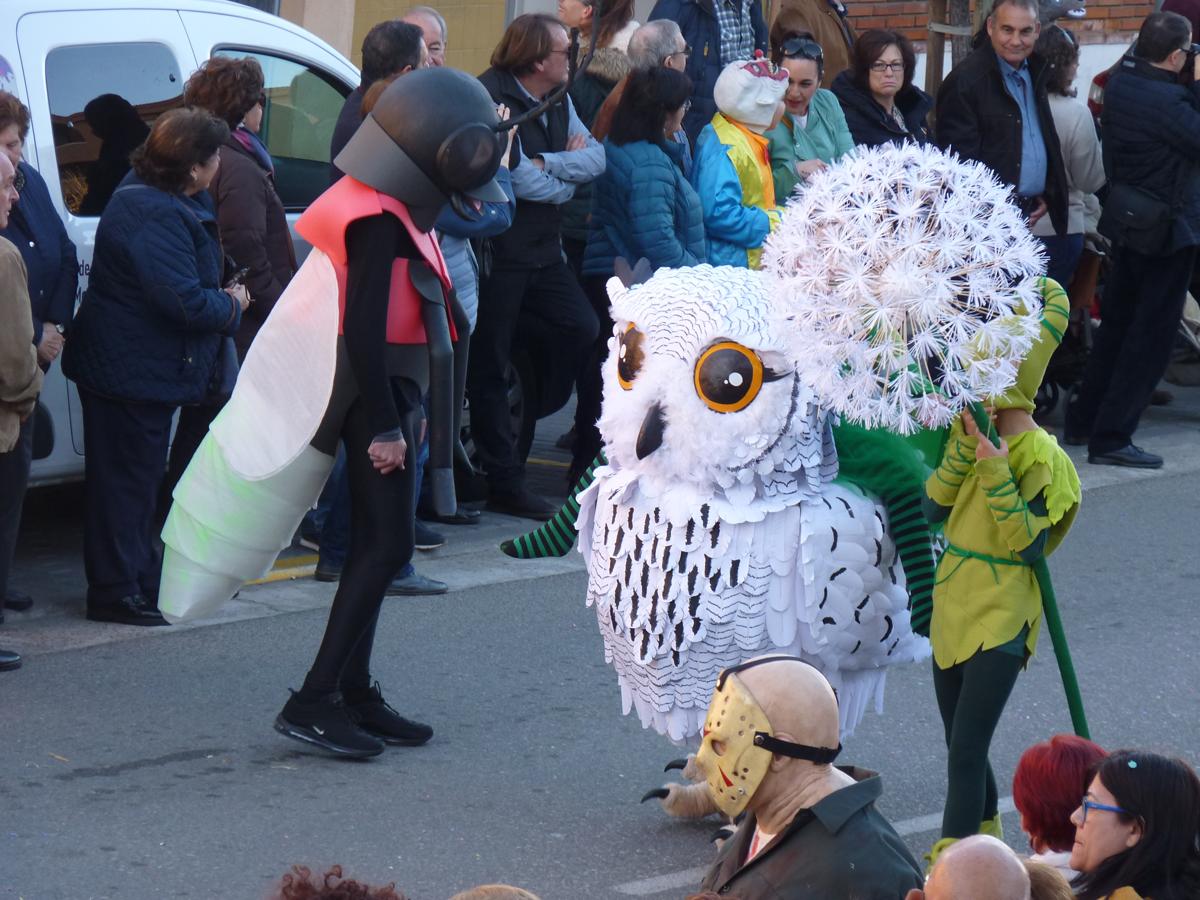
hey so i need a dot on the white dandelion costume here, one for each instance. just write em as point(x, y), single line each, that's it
point(912, 285)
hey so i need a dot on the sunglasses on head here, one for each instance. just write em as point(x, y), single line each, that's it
point(802, 48)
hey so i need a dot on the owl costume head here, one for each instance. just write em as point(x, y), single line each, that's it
point(699, 395)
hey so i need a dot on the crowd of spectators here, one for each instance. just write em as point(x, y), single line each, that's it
point(696, 128)
point(678, 142)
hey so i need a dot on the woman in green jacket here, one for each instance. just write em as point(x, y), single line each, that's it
point(813, 131)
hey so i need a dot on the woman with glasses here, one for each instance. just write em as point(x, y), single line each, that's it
point(877, 94)
point(813, 131)
point(1136, 830)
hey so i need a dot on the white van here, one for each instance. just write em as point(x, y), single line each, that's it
point(60, 55)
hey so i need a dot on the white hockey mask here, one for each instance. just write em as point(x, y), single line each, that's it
point(739, 743)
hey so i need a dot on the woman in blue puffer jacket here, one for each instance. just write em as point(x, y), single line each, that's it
point(643, 208)
point(146, 341)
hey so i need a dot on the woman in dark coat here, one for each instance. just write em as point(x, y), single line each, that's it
point(878, 97)
point(146, 340)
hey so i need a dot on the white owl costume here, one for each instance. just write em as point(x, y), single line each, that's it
point(714, 536)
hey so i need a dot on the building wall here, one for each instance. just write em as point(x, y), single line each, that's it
point(473, 27)
point(1107, 21)
point(476, 25)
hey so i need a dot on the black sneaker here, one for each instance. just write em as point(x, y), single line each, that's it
point(328, 724)
point(375, 717)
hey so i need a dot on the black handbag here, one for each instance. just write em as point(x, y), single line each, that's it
point(1138, 220)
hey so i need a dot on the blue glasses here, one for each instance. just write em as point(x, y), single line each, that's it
point(1089, 804)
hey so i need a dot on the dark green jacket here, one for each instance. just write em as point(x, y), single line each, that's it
point(841, 847)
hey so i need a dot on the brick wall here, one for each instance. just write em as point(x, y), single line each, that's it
point(1107, 21)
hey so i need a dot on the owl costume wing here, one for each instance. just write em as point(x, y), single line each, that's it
point(677, 601)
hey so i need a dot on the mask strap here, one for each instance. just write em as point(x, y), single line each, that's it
point(821, 755)
point(750, 664)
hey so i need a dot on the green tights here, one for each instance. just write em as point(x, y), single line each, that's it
point(971, 698)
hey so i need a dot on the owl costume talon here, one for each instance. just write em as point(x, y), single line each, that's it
point(715, 533)
point(684, 801)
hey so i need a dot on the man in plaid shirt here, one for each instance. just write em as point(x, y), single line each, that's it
point(717, 32)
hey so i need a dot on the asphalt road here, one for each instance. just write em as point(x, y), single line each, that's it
point(142, 763)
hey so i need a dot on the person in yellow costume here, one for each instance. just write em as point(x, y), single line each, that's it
point(731, 170)
point(1003, 508)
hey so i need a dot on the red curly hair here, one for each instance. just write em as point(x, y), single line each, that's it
point(1051, 778)
point(299, 884)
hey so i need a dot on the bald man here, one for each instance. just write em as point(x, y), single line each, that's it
point(811, 829)
point(976, 868)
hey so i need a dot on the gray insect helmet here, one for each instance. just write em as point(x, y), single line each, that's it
point(429, 141)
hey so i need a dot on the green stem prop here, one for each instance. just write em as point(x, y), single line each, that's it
point(1054, 624)
point(984, 422)
point(1058, 637)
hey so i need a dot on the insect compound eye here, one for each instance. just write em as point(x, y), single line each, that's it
point(728, 377)
point(629, 356)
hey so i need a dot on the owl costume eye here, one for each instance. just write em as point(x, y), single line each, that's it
point(629, 356)
point(728, 377)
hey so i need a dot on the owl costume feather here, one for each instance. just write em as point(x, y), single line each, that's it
point(715, 532)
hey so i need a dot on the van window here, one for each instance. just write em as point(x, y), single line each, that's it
point(302, 108)
point(103, 100)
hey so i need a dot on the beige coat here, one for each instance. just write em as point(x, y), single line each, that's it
point(1082, 158)
point(20, 377)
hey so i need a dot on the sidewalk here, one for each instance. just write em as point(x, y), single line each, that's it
point(49, 559)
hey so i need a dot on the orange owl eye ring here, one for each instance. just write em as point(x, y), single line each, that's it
point(728, 377)
point(629, 356)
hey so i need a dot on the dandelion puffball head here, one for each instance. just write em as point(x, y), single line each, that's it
point(907, 282)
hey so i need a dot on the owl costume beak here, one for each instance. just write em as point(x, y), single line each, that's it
point(651, 434)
